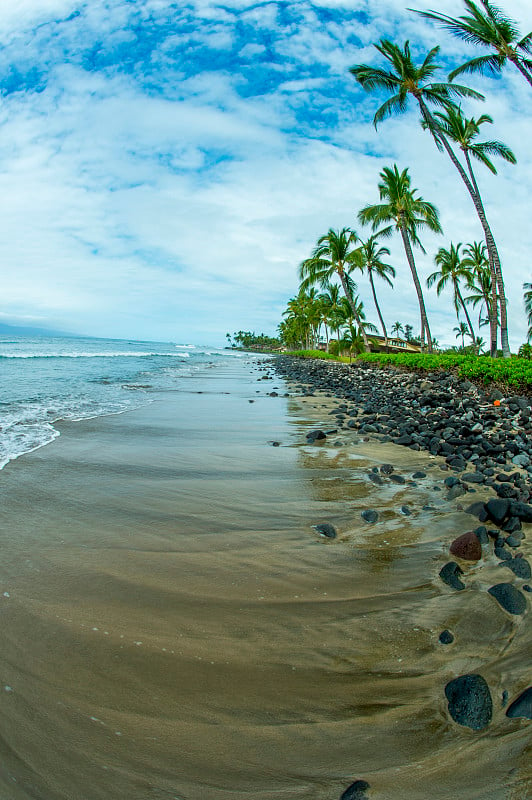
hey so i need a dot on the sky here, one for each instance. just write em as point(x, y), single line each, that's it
point(166, 166)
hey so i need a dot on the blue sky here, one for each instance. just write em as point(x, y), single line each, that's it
point(165, 166)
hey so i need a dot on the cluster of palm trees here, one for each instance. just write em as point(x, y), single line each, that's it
point(478, 267)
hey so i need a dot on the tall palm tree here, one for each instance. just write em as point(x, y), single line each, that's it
point(334, 255)
point(452, 271)
point(464, 133)
point(487, 26)
point(527, 288)
point(406, 79)
point(409, 213)
point(397, 328)
point(330, 303)
point(371, 256)
point(483, 289)
point(461, 330)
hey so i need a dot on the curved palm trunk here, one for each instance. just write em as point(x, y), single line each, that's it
point(347, 293)
point(468, 319)
point(471, 187)
point(383, 326)
point(412, 265)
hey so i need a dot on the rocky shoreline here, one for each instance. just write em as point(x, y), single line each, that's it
point(484, 443)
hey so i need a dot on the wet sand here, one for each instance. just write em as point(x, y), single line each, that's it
point(174, 628)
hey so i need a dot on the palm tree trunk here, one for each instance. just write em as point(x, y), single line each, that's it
point(522, 69)
point(354, 310)
point(412, 265)
point(469, 325)
point(479, 208)
point(383, 326)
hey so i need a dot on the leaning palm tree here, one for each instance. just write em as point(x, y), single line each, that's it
point(409, 213)
point(527, 288)
point(371, 256)
point(461, 330)
point(452, 271)
point(335, 254)
point(464, 133)
point(487, 26)
point(407, 79)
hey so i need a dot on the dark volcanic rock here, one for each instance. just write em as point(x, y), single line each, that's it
point(519, 567)
point(450, 574)
point(522, 706)
point(386, 469)
point(369, 515)
point(446, 637)
point(498, 510)
point(482, 534)
point(521, 510)
point(469, 701)
point(314, 436)
point(397, 479)
point(473, 477)
point(357, 791)
point(326, 529)
point(477, 510)
point(509, 597)
point(467, 546)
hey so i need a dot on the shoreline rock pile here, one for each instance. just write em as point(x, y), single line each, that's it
point(436, 412)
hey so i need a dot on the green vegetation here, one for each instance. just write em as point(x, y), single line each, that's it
point(514, 372)
point(246, 340)
point(474, 273)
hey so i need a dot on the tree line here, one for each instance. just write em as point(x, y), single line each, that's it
point(474, 271)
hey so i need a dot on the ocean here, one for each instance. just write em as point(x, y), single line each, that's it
point(44, 380)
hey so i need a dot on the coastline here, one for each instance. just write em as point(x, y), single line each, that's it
point(176, 627)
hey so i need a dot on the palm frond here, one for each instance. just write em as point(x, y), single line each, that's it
point(496, 149)
point(397, 103)
point(371, 78)
point(525, 43)
point(483, 65)
point(450, 90)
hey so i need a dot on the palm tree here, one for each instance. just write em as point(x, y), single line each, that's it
point(483, 289)
point(409, 213)
point(371, 256)
point(408, 79)
point(397, 328)
point(464, 132)
point(302, 318)
point(334, 255)
point(461, 330)
point(330, 303)
point(452, 271)
point(487, 26)
point(527, 287)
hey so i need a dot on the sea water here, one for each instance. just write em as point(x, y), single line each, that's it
point(44, 380)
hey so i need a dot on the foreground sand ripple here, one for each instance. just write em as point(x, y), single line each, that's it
point(174, 628)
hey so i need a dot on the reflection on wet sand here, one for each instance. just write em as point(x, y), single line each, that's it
point(175, 628)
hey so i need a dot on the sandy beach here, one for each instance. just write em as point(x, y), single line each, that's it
point(174, 627)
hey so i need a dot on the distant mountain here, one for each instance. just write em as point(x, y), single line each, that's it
point(24, 330)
